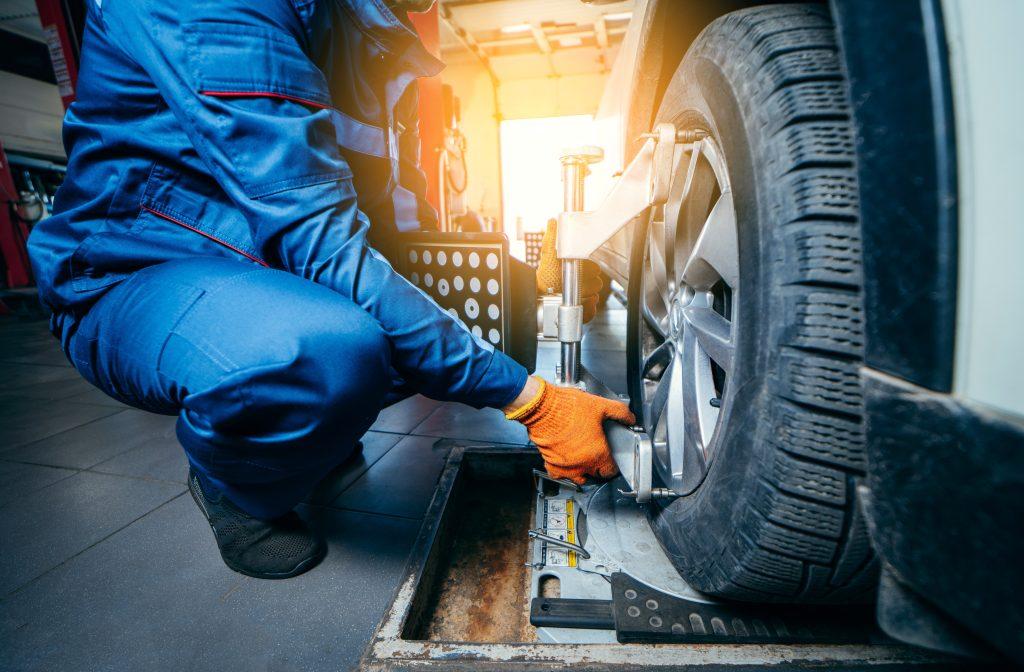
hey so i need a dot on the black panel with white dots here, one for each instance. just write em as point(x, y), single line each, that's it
point(464, 273)
point(534, 240)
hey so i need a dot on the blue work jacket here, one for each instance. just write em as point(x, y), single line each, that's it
point(280, 132)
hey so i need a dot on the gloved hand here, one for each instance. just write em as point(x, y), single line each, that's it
point(549, 274)
point(565, 423)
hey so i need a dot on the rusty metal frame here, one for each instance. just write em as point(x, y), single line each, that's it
point(391, 650)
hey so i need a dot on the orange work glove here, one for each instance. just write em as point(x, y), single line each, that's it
point(565, 423)
point(549, 274)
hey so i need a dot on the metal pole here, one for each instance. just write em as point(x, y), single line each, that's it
point(574, 171)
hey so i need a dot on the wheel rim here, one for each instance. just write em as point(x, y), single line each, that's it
point(689, 297)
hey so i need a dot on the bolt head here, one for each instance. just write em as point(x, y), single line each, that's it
point(675, 318)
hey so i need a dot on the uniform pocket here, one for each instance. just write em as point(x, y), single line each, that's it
point(272, 107)
point(192, 205)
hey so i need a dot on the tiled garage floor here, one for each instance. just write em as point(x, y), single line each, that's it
point(106, 564)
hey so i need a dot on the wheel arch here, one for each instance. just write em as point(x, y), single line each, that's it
point(666, 31)
point(669, 28)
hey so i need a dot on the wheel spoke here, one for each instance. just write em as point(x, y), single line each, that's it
point(677, 198)
point(712, 331)
point(659, 400)
point(696, 381)
point(676, 430)
point(656, 255)
point(691, 169)
point(657, 324)
point(715, 254)
point(658, 361)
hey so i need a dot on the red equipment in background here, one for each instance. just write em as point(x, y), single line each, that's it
point(13, 231)
point(430, 106)
point(62, 24)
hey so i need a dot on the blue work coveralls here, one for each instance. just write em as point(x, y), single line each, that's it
point(212, 249)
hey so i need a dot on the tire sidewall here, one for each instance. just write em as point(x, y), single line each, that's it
point(702, 94)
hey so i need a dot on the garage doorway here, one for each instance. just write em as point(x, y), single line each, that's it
point(531, 174)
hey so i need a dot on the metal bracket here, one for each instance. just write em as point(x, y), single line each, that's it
point(547, 316)
point(645, 182)
point(570, 324)
point(633, 452)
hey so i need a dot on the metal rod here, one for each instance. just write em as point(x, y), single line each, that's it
point(539, 476)
point(555, 541)
point(574, 172)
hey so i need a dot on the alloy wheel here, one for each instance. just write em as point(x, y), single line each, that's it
point(689, 297)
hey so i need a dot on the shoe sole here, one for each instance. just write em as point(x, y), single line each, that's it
point(301, 568)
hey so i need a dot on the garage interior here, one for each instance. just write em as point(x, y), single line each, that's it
point(89, 483)
point(449, 547)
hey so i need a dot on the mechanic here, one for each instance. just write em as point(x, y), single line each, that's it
point(211, 255)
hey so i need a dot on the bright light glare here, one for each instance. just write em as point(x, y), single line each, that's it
point(531, 172)
point(516, 28)
point(618, 16)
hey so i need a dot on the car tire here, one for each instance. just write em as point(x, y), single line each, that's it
point(775, 516)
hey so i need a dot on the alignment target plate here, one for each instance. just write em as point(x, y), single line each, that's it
point(465, 277)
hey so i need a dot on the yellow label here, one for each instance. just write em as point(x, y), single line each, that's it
point(570, 530)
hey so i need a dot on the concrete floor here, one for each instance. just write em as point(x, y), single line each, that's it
point(106, 564)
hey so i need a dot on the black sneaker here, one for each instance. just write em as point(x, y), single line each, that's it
point(266, 549)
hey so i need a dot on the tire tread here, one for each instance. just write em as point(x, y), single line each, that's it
point(801, 536)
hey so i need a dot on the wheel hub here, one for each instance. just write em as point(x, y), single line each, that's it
point(676, 319)
point(689, 294)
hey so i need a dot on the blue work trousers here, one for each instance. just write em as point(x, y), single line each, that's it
point(273, 378)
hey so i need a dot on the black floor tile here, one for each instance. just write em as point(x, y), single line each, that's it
point(458, 421)
point(160, 458)
point(156, 596)
point(93, 395)
point(26, 420)
point(25, 339)
point(97, 441)
point(50, 390)
point(406, 414)
point(18, 480)
point(402, 482)
point(17, 376)
point(375, 446)
point(12, 326)
point(76, 389)
point(45, 352)
point(45, 528)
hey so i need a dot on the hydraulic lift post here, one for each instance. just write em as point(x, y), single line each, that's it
point(575, 164)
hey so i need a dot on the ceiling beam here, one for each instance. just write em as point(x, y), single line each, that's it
point(468, 3)
point(540, 38)
point(511, 40)
point(467, 41)
point(601, 32)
